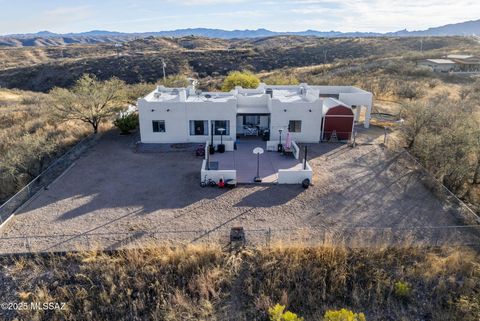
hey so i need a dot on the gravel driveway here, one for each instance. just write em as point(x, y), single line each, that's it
point(112, 189)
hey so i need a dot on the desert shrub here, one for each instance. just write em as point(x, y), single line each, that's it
point(402, 289)
point(175, 81)
point(444, 137)
point(468, 307)
point(29, 139)
point(409, 90)
point(278, 313)
point(126, 122)
point(245, 79)
point(432, 83)
point(282, 78)
point(343, 315)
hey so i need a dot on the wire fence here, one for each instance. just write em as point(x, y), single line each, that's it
point(461, 235)
point(52, 172)
point(432, 183)
point(354, 237)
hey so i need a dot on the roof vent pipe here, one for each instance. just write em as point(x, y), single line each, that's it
point(269, 91)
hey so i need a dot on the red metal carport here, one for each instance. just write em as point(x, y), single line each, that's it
point(338, 119)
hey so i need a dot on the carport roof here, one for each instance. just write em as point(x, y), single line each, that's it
point(332, 102)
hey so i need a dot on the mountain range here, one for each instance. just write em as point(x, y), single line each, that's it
point(47, 38)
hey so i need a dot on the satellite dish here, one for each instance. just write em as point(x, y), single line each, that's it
point(258, 150)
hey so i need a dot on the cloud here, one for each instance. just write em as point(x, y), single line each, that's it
point(59, 17)
point(385, 15)
point(279, 15)
point(75, 13)
point(206, 2)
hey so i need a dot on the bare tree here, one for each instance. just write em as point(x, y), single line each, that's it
point(90, 100)
point(409, 90)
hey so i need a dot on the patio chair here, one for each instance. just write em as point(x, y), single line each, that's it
point(250, 131)
point(287, 151)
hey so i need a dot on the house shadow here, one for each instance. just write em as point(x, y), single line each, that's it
point(111, 175)
point(270, 195)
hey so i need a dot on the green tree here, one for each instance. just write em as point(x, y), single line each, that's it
point(240, 78)
point(126, 122)
point(278, 313)
point(343, 315)
point(89, 100)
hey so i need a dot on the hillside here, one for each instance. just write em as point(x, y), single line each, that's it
point(46, 38)
point(40, 69)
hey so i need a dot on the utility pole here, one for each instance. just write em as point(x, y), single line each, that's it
point(163, 67)
point(325, 56)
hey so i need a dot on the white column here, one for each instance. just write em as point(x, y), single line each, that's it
point(367, 116)
point(357, 112)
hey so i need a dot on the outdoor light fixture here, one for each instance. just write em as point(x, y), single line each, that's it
point(258, 151)
point(211, 148)
point(168, 110)
point(153, 110)
point(221, 147)
point(280, 146)
point(285, 110)
point(310, 110)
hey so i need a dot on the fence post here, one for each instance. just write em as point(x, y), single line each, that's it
point(269, 236)
point(27, 244)
point(88, 241)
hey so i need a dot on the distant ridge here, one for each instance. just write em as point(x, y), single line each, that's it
point(47, 38)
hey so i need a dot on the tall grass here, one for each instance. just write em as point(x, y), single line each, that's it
point(207, 283)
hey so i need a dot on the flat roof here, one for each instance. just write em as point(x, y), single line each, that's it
point(441, 61)
point(460, 56)
point(287, 93)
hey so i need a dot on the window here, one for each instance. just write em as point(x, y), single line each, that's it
point(199, 127)
point(253, 120)
point(295, 126)
point(217, 124)
point(158, 126)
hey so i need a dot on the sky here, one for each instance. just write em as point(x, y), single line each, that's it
point(63, 16)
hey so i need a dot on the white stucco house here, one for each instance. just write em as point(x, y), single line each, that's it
point(310, 113)
point(438, 65)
